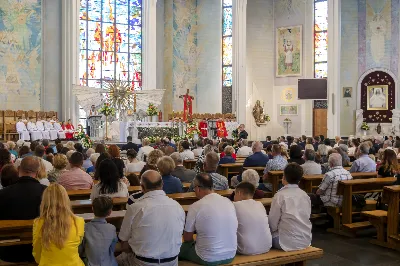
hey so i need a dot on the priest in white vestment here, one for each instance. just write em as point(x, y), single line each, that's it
point(58, 128)
point(21, 129)
point(40, 127)
point(35, 133)
point(49, 127)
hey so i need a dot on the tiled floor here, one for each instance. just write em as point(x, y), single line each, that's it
point(344, 251)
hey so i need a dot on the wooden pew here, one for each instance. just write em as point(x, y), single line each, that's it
point(230, 168)
point(273, 257)
point(18, 232)
point(380, 218)
point(346, 189)
point(275, 177)
point(259, 169)
point(189, 164)
point(190, 197)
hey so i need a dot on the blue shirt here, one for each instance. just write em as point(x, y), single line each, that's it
point(172, 184)
point(226, 159)
point(99, 242)
point(277, 164)
point(256, 159)
point(363, 164)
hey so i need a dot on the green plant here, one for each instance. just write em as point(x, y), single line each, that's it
point(107, 110)
point(365, 126)
point(152, 110)
point(83, 137)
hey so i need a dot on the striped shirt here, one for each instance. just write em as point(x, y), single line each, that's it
point(329, 186)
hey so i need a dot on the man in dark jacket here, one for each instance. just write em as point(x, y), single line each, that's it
point(185, 175)
point(21, 201)
point(130, 145)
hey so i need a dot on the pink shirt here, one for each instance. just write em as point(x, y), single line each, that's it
point(75, 179)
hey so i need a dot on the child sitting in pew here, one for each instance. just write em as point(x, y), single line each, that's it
point(289, 217)
point(100, 239)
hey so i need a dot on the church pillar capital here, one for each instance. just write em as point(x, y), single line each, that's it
point(239, 95)
point(149, 60)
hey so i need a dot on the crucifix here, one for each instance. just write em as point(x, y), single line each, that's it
point(187, 105)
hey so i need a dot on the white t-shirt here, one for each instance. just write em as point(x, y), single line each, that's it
point(122, 191)
point(244, 151)
point(197, 152)
point(214, 219)
point(187, 155)
point(47, 165)
point(253, 234)
point(134, 167)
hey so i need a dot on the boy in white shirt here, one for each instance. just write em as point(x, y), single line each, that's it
point(253, 235)
point(289, 217)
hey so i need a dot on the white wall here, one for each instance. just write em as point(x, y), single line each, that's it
point(209, 43)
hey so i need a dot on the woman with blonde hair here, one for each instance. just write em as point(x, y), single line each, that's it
point(151, 162)
point(42, 173)
point(70, 145)
point(60, 164)
point(57, 233)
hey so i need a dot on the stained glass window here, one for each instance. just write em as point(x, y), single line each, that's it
point(110, 42)
point(226, 55)
point(321, 38)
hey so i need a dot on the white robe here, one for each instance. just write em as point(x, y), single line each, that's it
point(35, 134)
point(49, 127)
point(40, 127)
point(60, 131)
point(23, 132)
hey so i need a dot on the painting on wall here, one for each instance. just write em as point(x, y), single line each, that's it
point(288, 109)
point(347, 92)
point(289, 51)
point(20, 53)
point(377, 98)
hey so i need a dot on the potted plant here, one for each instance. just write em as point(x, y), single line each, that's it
point(152, 112)
point(364, 128)
point(106, 110)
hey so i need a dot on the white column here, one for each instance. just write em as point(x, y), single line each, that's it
point(70, 55)
point(334, 91)
point(239, 60)
point(149, 51)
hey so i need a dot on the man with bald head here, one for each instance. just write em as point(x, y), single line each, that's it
point(257, 159)
point(21, 201)
point(151, 232)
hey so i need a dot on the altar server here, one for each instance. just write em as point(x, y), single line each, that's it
point(40, 127)
point(69, 133)
point(35, 134)
point(57, 126)
point(49, 127)
point(21, 129)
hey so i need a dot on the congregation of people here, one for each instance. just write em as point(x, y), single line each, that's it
point(36, 176)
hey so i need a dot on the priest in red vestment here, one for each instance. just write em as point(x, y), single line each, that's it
point(221, 129)
point(70, 129)
point(203, 128)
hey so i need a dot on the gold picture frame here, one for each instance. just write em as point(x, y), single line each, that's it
point(378, 97)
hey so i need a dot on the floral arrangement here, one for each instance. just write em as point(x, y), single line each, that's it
point(152, 110)
point(365, 126)
point(235, 133)
point(192, 129)
point(83, 137)
point(107, 110)
point(267, 118)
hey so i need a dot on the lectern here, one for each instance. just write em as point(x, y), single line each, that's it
point(94, 124)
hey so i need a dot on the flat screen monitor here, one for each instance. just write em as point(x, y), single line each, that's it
point(312, 89)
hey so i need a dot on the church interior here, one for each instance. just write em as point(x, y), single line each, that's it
point(272, 88)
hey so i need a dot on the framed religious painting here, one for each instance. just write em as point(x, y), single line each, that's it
point(347, 92)
point(377, 97)
point(288, 109)
point(289, 51)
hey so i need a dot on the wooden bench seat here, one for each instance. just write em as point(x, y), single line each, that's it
point(273, 257)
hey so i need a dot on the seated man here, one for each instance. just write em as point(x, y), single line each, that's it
point(289, 217)
point(244, 150)
point(57, 126)
point(76, 178)
point(253, 235)
point(40, 127)
point(187, 154)
point(257, 159)
point(210, 166)
point(326, 192)
point(35, 134)
point(213, 218)
point(130, 145)
point(364, 163)
point(185, 175)
point(21, 201)
point(278, 163)
point(310, 167)
point(22, 130)
point(151, 232)
point(49, 127)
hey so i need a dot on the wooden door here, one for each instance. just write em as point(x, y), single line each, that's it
point(320, 122)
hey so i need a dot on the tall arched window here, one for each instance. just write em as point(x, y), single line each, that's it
point(226, 55)
point(321, 38)
point(110, 42)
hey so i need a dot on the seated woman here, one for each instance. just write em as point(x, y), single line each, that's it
point(134, 164)
point(228, 155)
point(60, 163)
point(57, 233)
point(389, 166)
point(171, 184)
point(102, 157)
point(110, 184)
point(251, 176)
point(114, 152)
point(296, 155)
point(151, 161)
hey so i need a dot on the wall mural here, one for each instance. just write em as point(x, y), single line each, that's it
point(20, 54)
point(289, 51)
